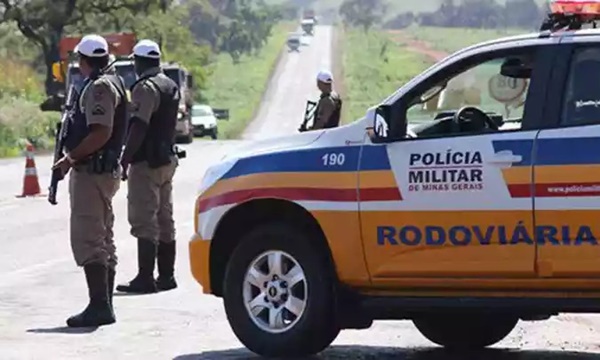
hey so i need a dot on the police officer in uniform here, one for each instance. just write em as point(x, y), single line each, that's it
point(329, 107)
point(150, 162)
point(95, 137)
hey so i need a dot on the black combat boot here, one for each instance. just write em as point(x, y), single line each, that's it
point(144, 282)
point(166, 266)
point(111, 288)
point(98, 312)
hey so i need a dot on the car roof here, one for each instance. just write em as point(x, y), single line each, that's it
point(201, 106)
point(589, 34)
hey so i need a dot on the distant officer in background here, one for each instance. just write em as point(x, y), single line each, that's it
point(150, 151)
point(94, 141)
point(329, 107)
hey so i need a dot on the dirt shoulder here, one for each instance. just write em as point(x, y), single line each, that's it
point(417, 46)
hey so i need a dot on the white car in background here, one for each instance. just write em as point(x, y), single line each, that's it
point(204, 121)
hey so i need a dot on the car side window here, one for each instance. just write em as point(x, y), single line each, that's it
point(483, 86)
point(581, 104)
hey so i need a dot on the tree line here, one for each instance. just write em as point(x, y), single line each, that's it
point(189, 31)
point(450, 13)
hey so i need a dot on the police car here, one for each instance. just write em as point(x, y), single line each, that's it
point(464, 221)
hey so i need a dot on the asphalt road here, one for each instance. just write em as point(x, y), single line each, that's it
point(40, 286)
point(293, 83)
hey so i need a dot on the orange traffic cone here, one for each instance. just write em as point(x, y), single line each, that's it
point(31, 185)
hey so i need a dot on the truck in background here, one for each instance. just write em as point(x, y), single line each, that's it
point(184, 79)
point(66, 70)
point(309, 14)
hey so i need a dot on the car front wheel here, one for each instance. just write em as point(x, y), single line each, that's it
point(279, 293)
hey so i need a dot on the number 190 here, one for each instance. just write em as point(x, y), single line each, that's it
point(333, 159)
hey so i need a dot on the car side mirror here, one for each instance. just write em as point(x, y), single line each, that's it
point(380, 118)
point(221, 114)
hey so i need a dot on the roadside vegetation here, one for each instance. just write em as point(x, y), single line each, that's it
point(450, 40)
point(386, 43)
point(217, 41)
point(374, 67)
point(240, 87)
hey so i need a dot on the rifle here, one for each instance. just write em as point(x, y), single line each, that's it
point(309, 113)
point(62, 129)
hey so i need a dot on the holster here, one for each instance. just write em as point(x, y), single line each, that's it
point(159, 156)
point(103, 162)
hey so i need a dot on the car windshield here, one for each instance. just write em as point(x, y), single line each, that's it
point(201, 111)
point(173, 74)
point(75, 78)
point(127, 72)
point(481, 86)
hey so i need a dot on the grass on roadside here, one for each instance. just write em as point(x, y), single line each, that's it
point(374, 68)
point(240, 87)
point(453, 39)
point(20, 116)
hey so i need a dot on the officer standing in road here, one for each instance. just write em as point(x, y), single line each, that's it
point(329, 107)
point(150, 151)
point(94, 141)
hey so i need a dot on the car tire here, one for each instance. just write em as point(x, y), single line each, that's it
point(214, 134)
point(466, 331)
point(315, 328)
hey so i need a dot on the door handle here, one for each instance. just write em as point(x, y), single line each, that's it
point(504, 158)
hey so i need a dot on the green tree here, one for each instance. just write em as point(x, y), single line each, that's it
point(170, 27)
point(45, 22)
point(363, 13)
point(249, 27)
point(177, 42)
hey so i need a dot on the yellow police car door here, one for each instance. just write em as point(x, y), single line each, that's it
point(567, 172)
point(451, 214)
point(461, 208)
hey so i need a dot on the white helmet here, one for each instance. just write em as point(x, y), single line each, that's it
point(325, 76)
point(147, 48)
point(92, 46)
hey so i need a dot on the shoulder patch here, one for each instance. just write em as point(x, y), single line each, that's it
point(98, 94)
point(99, 89)
point(98, 110)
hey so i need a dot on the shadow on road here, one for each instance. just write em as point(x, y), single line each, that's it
point(63, 330)
point(124, 294)
point(388, 353)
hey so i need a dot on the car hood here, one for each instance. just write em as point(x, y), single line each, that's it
point(203, 120)
point(348, 135)
point(293, 141)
